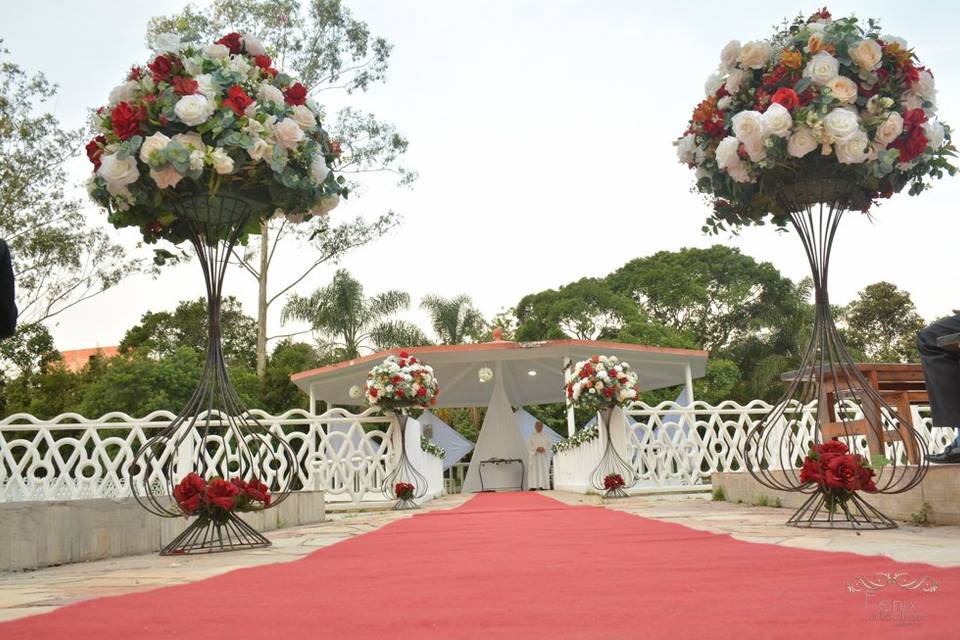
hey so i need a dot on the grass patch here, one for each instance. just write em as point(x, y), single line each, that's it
point(922, 518)
point(719, 495)
point(762, 501)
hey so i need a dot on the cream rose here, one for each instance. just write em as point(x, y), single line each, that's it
point(118, 174)
point(260, 150)
point(854, 150)
point(822, 68)
point(748, 126)
point(714, 82)
point(724, 103)
point(777, 120)
point(735, 80)
point(843, 89)
point(319, 169)
point(269, 93)
point(216, 51)
point(802, 142)
point(193, 66)
point(727, 152)
point(304, 117)
point(253, 45)
point(239, 65)
point(288, 133)
point(729, 54)
point(166, 177)
point(739, 172)
point(756, 150)
point(935, 134)
point(754, 54)
point(156, 142)
point(686, 149)
point(207, 86)
point(925, 86)
point(815, 42)
point(841, 125)
point(222, 162)
point(196, 160)
point(889, 129)
point(123, 92)
point(190, 141)
point(328, 203)
point(867, 54)
point(193, 110)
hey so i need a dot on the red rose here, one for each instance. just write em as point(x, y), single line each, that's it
point(608, 392)
point(807, 96)
point(786, 97)
point(831, 446)
point(396, 379)
point(811, 471)
point(402, 363)
point(237, 99)
point(422, 391)
point(222, 494)
point(913, 118)
point(255, 490)
point(273, 72)
point(95, 150)
point(373, 392)
point(185, 86)
point(335, 149)
point(232, 41)
point(162, 68)
point(155, 227)
point(135, 73)
point(842, 472)
point(297, 94)
point(399, 393)
point(404, 354)
point(911, 74)
point(911, 145)
point(126, 120)
point(189, 493)
point(263, 61)
point(866, 480)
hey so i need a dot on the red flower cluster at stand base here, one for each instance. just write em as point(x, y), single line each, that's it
point(836, 470)
point(404, 490)
point(613, 481)
point(218, 498)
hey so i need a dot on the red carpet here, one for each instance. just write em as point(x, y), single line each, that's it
point(521, 565)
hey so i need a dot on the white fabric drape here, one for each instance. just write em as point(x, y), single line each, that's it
point(455, 446)
point(499, 438)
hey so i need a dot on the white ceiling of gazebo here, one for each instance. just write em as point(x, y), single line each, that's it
point(532, 371)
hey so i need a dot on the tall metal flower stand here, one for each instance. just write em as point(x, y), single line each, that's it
point(404, 472)
point(611, 462)
point(215, 434)
point(848, 407)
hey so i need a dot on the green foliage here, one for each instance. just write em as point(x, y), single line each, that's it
point(921, 518)
point(432, 447)
point(277, 393)
point(882, 322)
point(719, 495)
point(578, 438)
point(454, 320)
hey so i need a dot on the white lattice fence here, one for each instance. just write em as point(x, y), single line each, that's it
point(72, 457)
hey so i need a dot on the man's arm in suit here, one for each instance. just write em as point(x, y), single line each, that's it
point(8, 305)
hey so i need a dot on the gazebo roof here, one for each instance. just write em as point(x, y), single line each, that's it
point(532, 371)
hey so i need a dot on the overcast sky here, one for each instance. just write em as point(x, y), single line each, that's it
point(542, 134)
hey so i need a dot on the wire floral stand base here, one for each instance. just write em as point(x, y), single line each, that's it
point(819, 511)
point(402, 504)
point(206, 535)
point(611, 462)
point(616, 493)
point(404, 472)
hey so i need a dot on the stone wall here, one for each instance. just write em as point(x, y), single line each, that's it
point(940, 490)
point(43, 534)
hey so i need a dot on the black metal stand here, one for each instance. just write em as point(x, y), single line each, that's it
point(404, 471)
point(772, 450)
point(821, 511)
point(215, 434)
point(612, 462)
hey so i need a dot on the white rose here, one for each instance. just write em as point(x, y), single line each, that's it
point(123, 92)
point(216, 51)
point(755, 149)
point(193, 110)
point(822, 68)
point(156, 142)
point(190, 141)
point(193, 66)
point(687, 149)
point(911, 101)
point(724, 102)
point(841, 125)
point(802, 142)
point(269, 93)
point(889, 129)
point(925, 86)
point(854, 150)
point(168, 43)
point(196, 160)
point(288, 133)
point(166, 177)
point(777, 120)
point(735, 80)
point(118, 174)
point(748, 126)
point(207, 86)
point(319, 169)
point(729, 54)
point(253, 45)
point(867, 54)
point(304, 117)
point(935, 134)
point(739, 172)
point(239, 65)
point(843, 89)
point(221, 160)
point(727, 152)
point(714, 82)
point(816, 27)
point(754, 54)
point(260, 150)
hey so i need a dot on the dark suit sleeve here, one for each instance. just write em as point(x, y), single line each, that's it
point(8, 306)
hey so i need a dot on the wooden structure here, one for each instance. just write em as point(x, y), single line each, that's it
point(898, 385)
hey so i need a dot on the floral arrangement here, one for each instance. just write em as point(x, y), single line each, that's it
point(578, 438)
point(837, 472)
point(613, 481)
point(822, 97)
point(404, 491)
point(218, 498)
point(200, 119)
point(401, 382)
point(485, 374)
point(600, 383)
point(431, 447)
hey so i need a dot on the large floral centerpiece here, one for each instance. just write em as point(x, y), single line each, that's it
point(208, 119)
point(401, 382)
point(821, 97)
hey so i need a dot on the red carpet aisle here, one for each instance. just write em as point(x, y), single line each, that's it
point(521, 565)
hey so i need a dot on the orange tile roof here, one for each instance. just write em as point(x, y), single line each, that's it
point(76, 359)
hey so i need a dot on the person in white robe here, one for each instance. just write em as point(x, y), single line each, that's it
point(538, 460)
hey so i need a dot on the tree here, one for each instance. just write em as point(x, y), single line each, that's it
point(288, 357)
point(348, 322)
point(454, 320)
point(585, 310)
point(882, 322)
point(163, 333)
point(58, 259)
point(328, 49)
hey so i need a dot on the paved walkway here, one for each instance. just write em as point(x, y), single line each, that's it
point(24, 594)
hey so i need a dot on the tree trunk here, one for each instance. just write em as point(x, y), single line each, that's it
point(262, 300)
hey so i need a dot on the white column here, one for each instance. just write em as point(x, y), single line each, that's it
point(688, 382)
point(313, 402)
point(571, 421)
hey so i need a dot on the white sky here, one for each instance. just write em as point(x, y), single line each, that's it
point(542, 133)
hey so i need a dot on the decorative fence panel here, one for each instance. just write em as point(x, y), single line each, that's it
point(72, 457)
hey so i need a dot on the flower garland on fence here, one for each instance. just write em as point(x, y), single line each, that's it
point(837, 472)
point(577, 439)
point(822, 97)
point(600, 383)
point(218, 498)
point(198, 119)
point(401, 382)
point(432, 447)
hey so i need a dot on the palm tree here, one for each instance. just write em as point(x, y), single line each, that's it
point(453, 319)
point(346, 321)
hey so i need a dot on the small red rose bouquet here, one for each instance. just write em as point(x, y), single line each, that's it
point(404, 491)
point(613, 481)
point(837, 472)
point(218, 498)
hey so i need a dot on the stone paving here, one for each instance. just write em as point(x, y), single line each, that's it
point(24, 594)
